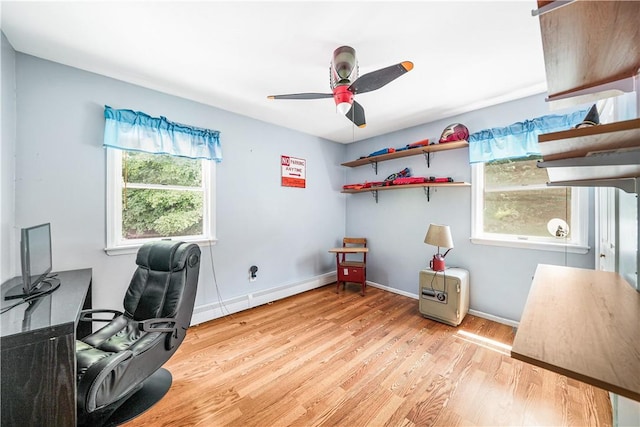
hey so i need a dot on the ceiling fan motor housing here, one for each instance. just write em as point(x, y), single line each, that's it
point(344, 67)
point(342, 95)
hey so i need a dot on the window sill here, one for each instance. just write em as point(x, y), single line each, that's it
point(133, 249)
point(530, 244)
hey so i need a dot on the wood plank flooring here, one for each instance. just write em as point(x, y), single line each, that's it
point(326, 359)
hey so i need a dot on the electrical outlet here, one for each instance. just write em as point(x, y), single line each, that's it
point(252, 273)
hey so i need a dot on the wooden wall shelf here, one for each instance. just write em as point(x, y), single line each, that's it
point(426, 186)
point(406, 153)
point(583, 324)
point(601, 152)
point(401, 187)
point(580, 142)
point(589, 44)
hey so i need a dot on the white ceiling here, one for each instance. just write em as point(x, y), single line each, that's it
point(231, 55)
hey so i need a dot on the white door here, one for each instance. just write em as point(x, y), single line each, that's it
point(606, 206)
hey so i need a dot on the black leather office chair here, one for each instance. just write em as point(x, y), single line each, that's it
point(119, 372)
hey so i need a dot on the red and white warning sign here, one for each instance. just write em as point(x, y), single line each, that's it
point(294, 172)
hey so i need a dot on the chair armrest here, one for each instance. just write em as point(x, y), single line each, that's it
point(99, 379)
point(152, 325)
point(87, 315)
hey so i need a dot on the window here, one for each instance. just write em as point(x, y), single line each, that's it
point(153, 196)
point(160, 180)
point(513, 206)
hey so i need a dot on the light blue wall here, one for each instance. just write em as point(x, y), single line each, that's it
point(284, 231)
point(7, 163)
point(61, 179)
point(499, 277)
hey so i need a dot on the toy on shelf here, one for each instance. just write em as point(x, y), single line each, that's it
point(454, 132)
point(409, 180)
point(406, 172)
point(401, 180)
point(434, 179)
point(380, 152)
point(418, 144)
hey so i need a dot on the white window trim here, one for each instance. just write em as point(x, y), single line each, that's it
point(579, 221)
point(118, 246)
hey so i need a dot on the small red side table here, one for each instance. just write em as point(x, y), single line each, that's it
point(350, 271)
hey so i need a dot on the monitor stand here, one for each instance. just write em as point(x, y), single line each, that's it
point(45, 287)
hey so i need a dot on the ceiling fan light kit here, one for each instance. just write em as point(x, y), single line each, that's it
point(345, 83)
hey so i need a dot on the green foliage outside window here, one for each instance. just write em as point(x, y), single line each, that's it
point(514, 173)
point(159, 212)
point(517, 202)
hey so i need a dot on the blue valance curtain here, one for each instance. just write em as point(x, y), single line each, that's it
point(137, 131)
point(519, 139)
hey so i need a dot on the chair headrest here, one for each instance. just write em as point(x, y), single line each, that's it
point(163, 255)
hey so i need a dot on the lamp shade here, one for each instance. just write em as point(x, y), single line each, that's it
point(439, 235)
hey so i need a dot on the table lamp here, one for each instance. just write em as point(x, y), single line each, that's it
point(440, 236)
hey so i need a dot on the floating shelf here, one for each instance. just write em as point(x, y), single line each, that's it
point(406, 153)
point(582, 324)
point(589, 140)
point(589, 45)
point(629, 185)
point(598, 153)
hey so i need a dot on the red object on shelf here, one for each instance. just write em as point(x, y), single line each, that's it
point(454, 132)
point(352, 186)
point(418, 144)
point(409, 180)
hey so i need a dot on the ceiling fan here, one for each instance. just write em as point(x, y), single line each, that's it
point(345, 83)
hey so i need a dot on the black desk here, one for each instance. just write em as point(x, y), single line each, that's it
point(38, 377)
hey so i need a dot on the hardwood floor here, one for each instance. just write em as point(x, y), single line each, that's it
point(326, 359)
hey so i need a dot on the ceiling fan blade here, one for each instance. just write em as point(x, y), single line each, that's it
point(302, 96)
point(356, 115)
point(376, 79)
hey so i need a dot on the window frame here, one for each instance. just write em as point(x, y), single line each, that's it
point(579, 221)
point(115, 243)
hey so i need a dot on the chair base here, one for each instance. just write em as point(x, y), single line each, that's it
point(153, 389)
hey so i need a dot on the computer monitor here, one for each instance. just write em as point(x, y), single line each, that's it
point(36, 262)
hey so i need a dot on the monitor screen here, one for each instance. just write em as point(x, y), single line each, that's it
point(36, 255)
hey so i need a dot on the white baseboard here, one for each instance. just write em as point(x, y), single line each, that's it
point(215, 310)
point(497, 319)
point(212, 311)
point(393, 290)
point(476, 313)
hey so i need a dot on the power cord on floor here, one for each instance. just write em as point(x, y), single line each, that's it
point(223, 307)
